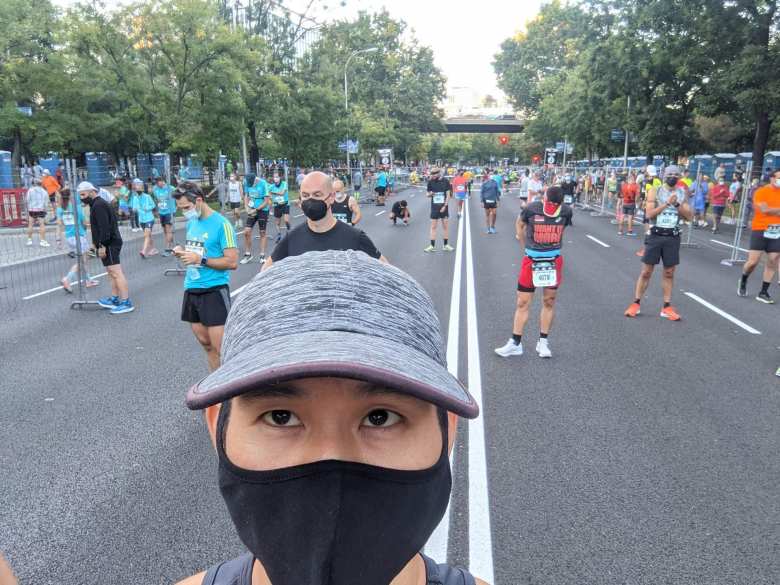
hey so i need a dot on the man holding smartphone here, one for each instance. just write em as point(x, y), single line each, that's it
point(209, 253)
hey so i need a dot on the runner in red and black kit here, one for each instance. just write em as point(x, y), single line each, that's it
point(540, 229)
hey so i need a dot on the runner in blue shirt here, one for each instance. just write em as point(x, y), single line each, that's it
point(68, 221)
point(257, 200)
point(145, 206)
point(210, 252)
point(166, 208)
point(281, 200)
point(381, 186)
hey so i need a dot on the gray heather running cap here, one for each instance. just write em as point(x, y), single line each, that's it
point(672, 170)
point(335, 314)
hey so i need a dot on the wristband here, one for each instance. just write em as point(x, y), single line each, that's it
point(203, 261)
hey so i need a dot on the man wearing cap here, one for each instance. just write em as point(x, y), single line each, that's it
point(333, 463)
point(665, 207)
point(108, 244)
point(209, 253)
point(439, 192)
point(321, 231)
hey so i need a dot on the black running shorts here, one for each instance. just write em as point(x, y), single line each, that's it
point(207, 306)
point(658, 248)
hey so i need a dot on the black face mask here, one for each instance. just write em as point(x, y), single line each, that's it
point(672, 181)
point(334, 522)
point(314, 209)
point(84, 200)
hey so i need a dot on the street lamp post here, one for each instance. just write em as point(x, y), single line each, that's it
point(346, 100)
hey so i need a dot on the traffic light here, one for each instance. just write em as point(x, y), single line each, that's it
point(503, 140)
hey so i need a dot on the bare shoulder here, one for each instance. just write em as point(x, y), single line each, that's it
point(198, 579)
point(480, 581)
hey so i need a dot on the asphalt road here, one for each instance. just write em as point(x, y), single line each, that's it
point(645, 451)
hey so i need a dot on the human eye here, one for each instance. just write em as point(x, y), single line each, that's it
point(281, 418)
point(381, 418)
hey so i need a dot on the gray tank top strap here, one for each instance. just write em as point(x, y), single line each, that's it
point(235, 572)
point(445, 575)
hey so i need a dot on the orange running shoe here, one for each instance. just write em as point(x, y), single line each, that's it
point(670, 313)
point(633, 310)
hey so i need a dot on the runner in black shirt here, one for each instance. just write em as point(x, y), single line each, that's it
point(321, 231)
point(540, 228)
point(440, 192)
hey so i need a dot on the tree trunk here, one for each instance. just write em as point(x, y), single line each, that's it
point(763, 124)
point(254, 150)
point(16, 155)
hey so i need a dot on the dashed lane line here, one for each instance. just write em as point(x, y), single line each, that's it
point(56, 288)
point(599, 242)
point(381, 212)
point(723, 314)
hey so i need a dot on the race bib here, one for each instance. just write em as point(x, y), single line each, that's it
point(668, 219)
point(568, 199)
point(460, 188)
point(439, 198)
point(279, 200)
point(772, 232)
point(162, 204)
point(544, 274)
point(194, 246)
point(341, 217)
point(67, 219)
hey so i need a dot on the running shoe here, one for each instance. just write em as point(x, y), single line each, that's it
point(633, 310)
point(29, 243)
point(261, 258)
point(142, 254)
point(632, 234)
point(122, 307)
point(246, 259)
point(488, 231)
point(510, 348)
point(429, 248)
point(777, 372)
point(543, 349)
point(620, 233)
point(108, 302)
point(66, 285)
point(167, 252)
point(153, 252)
point(765, 298)
point(670, 313)
point(741, 288)
point(45, 244)
point(447, 248)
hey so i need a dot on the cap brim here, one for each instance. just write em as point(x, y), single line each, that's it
point(340, 354)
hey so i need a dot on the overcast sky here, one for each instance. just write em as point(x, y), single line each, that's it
point(464, 34)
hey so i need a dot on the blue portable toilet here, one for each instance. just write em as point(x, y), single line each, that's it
point(704, 162)
point(50, 162)
point(6, 170)
point(729, 161)
point(658, 160)
point(771, 161)
point(743, 158)
point(637, 162)
point(160, 163)
point(194, 168)
point(97, 169)
point(143, 166)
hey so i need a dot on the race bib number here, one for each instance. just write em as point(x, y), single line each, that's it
point(439, 198)
point(668, 219)
point(194, 246)
point(162, 204)
point(568, 199)
point(460, 188)
point(772, 232)
point(67, 219)
point(279, 200)
point(544, 274)
point(341, 217)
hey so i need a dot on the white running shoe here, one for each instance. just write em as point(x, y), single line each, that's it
point(44, 244)
point(29, 242)
point(543, 349)
point(510, 348)
point(246, 259)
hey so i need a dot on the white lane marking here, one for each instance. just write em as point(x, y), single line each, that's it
point(599, 242)
point(238, 290)
point(728, 245)
point(723, 314)
point(480, 535)
point(51, 290)
point(381, 212)
point(438, 543)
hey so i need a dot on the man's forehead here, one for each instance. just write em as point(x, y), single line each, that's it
point(307, 387)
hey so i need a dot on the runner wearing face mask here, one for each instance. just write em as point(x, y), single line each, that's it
point(665, 207)
point(209, 254)
point(257, 201)
point(719, 195)
point(321, 231)
point(281, 200)
point(764, 237)
point(539, 228)
point(291, 389)
point(344, 207)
